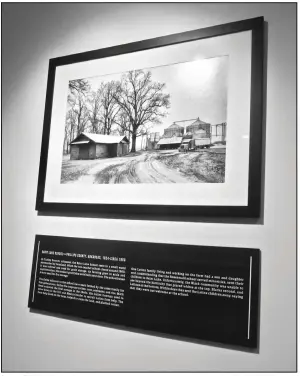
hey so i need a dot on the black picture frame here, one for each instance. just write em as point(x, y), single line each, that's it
point(166, 212)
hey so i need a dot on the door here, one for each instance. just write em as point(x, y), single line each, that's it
point(84, 151)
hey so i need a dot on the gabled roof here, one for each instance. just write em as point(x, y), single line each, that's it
point(79, 142)
point(103, 138)
point(174, 125)
point(197, 122)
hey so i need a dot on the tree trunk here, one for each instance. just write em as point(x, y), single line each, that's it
point(133, 142)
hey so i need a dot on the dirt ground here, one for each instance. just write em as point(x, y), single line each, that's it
point(170, 166)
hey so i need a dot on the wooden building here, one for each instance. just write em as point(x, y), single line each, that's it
point(93, 146)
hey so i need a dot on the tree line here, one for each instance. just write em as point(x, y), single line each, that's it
point(129, 107)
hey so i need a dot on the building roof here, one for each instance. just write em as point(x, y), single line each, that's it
point(174, 125)
point(79, 142)
point(197, 122)
point(101, 138)
point(170, 140)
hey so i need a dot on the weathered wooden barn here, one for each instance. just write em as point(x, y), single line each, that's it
point(93, 146)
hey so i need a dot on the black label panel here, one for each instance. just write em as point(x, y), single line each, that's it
point(194, 292)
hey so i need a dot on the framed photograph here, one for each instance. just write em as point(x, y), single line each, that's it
point(168, 127)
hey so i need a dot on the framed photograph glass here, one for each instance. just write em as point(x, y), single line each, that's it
point(167, 127)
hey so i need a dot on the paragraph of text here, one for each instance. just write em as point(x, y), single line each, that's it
point(185, 284)
point(81, 292)
point(64, 268)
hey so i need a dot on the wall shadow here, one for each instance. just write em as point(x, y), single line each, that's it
point(145, 332)
point(149, 217)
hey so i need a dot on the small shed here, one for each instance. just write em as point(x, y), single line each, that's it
point(93, 146)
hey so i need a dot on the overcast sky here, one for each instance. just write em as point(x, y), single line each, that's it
point(197, 88)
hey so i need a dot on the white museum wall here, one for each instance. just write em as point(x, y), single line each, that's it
point(34, 33)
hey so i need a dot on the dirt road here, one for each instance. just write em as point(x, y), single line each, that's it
point(141, 167)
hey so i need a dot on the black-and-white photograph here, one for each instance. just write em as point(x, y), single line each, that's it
point(164, 124)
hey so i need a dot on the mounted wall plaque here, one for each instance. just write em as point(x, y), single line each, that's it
point(168, 128)
point(194, 293)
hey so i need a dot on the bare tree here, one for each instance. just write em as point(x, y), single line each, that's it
point(94, 111)
point(77, 112)
point(70, 129)
point(142, 103)
point(109, 106)
point(81, 114)
point(67, 136)
point(124, 125)
point(80, 86)
point(77, 115)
